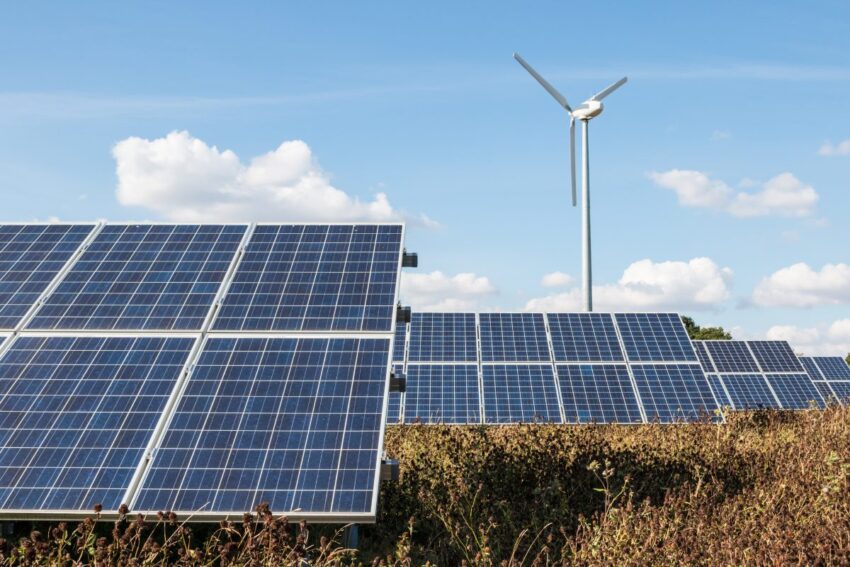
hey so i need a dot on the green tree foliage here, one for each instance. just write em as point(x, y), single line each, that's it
point(698, 333)
point(847, 358)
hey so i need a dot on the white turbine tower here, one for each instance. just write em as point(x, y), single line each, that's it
point(591, 108)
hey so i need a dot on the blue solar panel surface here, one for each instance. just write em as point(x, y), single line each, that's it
point(717, 389)
point(674, 392)
point(841, 390)
point(442, 393)
point(811, 368)
point(702, 355)
point(775, 356)
point(315, 278)
point(749, 391)
point(515, 393)
point(601, 393)
point(143, 277)
point(584, 337)
point(76, 414)
point(833, 367)
point(443, 337)
point(292, 422)
point(399, 342)
point(825, 392)
point(519, 337)
point(731, 356)
point(795, 391)
point(30, 258)
point(655, 337)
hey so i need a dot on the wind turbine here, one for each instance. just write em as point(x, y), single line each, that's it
point(589, 109)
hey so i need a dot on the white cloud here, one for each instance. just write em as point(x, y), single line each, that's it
point(184, 179)
point(646, 285)
point(783, 195)
point(831, 340)
point(557, 279)
point(437, 291)
point(840, 149)
point(799, 285)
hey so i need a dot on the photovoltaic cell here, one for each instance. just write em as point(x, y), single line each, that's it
point(717, 389)
point(513, 337)
point(143, 277)
point(655, 337)
point(702, 355)
point(442, 337)
point(399, 342)
point(833, 367)
point(674, 392)
point(811, 368)
point(442, 393)
point(775, 356)
point(76, 414)
point(315, 278)
point(841, 390)
point(749, 391)
point(600, 393)
point(584, 337)
point(520, 393)
point(795, 391)
point(292, 422)
point(30, 258)
point(731, 356)
point(826, 392)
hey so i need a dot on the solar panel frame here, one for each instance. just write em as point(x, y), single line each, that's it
point(34, 283)
point(775, 357)
point(654, 337)
point(731, 357)
point(662, 386)
point(513, 337)
point(750, 391)
point(445, 394)
point(442, 338)
point(832, 367)
point(147, 271)
point(614, 398)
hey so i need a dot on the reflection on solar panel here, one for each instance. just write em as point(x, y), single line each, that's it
point(442, 337)
point(584, 337)
point(30, 257)
point(811, 368)
point(394, 401)
point(600, 393)
point(399, 342)
point(292, 422)
point(315, 278)
point(749, 391)
point(655, 337)
point(674, 392)
point(841, 390)
point(442, 393)
point(718, 391)
point(702, 355)
point(520, 393)
point(519, 337)
point(775, 356)
point(731, 356)
point(833, 367)
point(76, 414)
point(795, 391)
point(143, 277)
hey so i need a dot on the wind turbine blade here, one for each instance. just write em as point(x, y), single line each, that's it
point(544, 83)
point(609, 89)
point(573, 156)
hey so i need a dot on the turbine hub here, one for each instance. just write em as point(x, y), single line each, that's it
point(588, 109)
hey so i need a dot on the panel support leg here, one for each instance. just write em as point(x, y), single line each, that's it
point(351, 536)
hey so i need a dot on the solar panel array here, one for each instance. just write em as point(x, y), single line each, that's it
point(831, 376)
point(197, 368)
point(555, 367)
point(757, 375)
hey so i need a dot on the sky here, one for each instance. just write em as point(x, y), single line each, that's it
point(720, 171)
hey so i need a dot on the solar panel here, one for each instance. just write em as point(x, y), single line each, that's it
point(655, 337)
point(811, 368)
point(600, 393)
point(143, 277)
point(825, 392)
point(293, 422)
point(584, 337)
point(841, 390)
point(795, 391)
point(443, 337)
point(717, 389)
point(31, 256)
point(674, 392)
point(520, 393)
point(702, 355)
point(399, 342)
point(833, 367)
point(731, 356)
point(442, 393)
point(394, 401)
point(76, 415)
point(749, 391)
point(315, 278)
point(775, 356)
point(513, 337)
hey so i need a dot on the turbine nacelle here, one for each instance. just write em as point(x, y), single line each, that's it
point(588, 109)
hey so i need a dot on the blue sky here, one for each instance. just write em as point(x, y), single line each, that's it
point(711, 193)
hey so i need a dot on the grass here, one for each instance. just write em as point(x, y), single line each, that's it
point(765, 488)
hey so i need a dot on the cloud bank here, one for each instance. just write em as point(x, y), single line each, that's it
point(799, 285)
point(437, 291)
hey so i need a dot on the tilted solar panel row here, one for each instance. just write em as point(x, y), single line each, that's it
point(831, 376)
